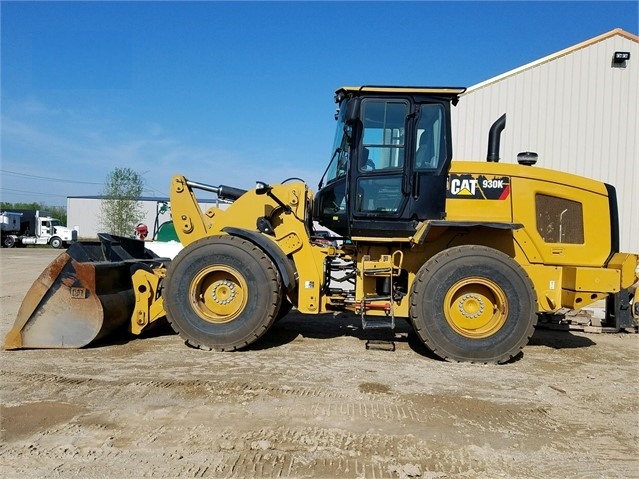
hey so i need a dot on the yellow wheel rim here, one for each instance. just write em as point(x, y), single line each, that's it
point(476, 307)
point(218, 294)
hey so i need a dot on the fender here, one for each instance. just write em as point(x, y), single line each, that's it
point(284, 265)
point(422, 232)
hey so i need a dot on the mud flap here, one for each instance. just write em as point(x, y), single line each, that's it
point(84, 295)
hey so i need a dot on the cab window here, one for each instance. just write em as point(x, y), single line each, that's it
point(379, 195)
point(383, 139)
point(430, 148)
point(340, 156)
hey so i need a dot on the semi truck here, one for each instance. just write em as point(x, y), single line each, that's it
point(29, 227)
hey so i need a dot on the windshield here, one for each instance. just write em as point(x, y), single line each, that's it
point(339, 160)
point(55, 223)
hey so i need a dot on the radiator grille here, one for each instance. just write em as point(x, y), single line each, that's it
point(559, 220)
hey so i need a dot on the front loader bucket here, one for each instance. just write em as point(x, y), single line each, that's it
point(84, 295)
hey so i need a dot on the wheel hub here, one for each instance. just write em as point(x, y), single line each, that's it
point(476, 307)
point(218, 293)
point(471, 306)
point(223, 292)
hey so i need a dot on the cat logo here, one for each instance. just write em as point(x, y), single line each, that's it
point(463, 187)
point(467, 186)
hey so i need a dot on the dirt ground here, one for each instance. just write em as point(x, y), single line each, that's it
point(317, 397)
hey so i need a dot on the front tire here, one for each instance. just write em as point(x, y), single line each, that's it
point(221, 293)
point(473, 303)
point(56, 242)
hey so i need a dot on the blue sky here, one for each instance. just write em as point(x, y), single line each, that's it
point(231, 93)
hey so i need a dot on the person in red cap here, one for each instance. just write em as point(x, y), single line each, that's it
point(141, 231)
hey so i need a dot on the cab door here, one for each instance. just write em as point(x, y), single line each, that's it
point(402, 162)
point(430, 161)
point(45, 229)
point(379, 191)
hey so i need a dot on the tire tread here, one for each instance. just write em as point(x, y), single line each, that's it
point(274, 286)
point(428, 270)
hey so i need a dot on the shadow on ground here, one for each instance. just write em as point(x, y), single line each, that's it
point(348, 325)
point(558, 339)
point(326, 326)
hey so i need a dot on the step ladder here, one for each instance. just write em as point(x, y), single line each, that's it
point(388, 266)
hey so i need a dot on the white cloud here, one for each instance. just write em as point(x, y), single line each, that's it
point(43, 141)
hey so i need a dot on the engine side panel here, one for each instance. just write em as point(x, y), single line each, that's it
point(565, 218)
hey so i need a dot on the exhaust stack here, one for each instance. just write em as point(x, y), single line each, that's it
point(494, 139)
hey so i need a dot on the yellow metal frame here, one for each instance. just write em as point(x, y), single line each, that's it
point(563, 275)
point(289, 229)
point(149, 306)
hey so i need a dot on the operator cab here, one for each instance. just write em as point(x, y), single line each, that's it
point(390, 161)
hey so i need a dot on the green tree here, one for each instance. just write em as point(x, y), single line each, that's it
point(58, 212)
point(120, 209)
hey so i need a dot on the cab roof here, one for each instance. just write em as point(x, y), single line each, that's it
point(399, 90)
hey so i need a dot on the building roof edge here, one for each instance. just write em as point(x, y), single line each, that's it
point(553, 56)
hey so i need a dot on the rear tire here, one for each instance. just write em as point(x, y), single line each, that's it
point(473, 303)
point(8, 241)
point(221, 293)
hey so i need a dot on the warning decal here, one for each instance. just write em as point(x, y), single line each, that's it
point(480, 187)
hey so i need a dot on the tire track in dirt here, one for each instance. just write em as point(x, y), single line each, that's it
point(291, 452)
point(241, 451)
point(385, 411)
point(194, 387)
point(319, 452)
point(465, 414)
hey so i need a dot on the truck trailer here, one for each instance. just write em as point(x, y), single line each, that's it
point(28, 227)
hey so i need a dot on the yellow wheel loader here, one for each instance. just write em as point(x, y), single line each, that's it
point(469, 253)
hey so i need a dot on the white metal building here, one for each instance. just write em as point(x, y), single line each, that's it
point(577, 109)
point(83, 213)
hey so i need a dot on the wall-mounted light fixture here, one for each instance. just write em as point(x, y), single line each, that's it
point(620, 59)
